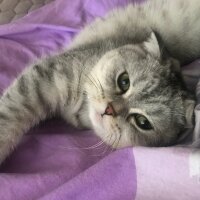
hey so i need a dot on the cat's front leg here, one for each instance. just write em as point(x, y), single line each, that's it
point(31, 98)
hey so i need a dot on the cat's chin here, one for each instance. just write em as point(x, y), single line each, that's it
point(97, 120)
point(101, 125)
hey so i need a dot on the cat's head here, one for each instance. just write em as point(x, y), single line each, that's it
point(136, 96)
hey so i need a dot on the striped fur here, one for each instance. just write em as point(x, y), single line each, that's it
point(143, 40)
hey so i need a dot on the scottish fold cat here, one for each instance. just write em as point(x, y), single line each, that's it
point(120, 77)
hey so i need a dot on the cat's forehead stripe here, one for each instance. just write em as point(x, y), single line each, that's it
point(137, 50)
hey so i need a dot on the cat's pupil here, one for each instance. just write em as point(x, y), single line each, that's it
point(123, 82)
point(142, 122)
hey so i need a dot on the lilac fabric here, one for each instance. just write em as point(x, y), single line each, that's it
point(55, 161)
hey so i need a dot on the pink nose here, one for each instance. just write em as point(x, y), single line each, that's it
point(110, 110)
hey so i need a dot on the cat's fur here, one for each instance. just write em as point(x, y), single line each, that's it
point(146, 41)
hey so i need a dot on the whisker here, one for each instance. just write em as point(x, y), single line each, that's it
point(106, 149)
point(120, 135)
point(102, 90)
point(99, 88)
point(91, 81)
point(112, 149)
point(94, 146)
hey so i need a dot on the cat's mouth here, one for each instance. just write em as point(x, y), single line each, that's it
point(98, 117)
point(108, 111)
point(97, 122)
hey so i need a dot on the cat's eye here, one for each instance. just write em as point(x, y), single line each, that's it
point(142, 122)
point(123, 82)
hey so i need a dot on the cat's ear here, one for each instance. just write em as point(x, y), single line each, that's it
point(155, 46)
point(189, 112)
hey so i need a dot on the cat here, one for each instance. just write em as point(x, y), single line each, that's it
point(120, 77)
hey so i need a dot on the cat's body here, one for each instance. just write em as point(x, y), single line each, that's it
point(118, 77)
point(177, 22)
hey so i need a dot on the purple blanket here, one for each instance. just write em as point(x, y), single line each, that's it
point(56, 162)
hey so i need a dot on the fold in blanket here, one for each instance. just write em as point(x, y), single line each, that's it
point(55, 161)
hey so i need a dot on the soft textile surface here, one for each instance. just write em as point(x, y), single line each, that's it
point(54, 161)
point(11, 10)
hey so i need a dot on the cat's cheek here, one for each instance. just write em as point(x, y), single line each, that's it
point(125, 141)
point(95, 118)
point(117, 139)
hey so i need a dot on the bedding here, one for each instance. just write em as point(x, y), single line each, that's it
point(11, 10)
point(55, 161)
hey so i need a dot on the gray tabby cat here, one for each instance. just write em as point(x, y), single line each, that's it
point(119, 77)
